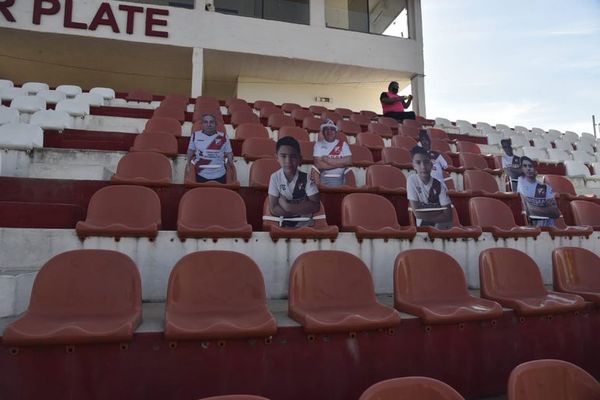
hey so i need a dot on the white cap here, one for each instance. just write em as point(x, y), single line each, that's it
point(329, 124)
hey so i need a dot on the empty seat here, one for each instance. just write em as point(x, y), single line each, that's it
point(584, 156)
point(206, 101)
point(73, 107)
point(535, 153)
point(412, 123)
point(431, 285)
point(212, 213)
point(312, 124)
point(404, 142)
point(261, 171)
point(396, 157)
point(173, 112)
point(255, 147)
point(391, 122)
point(457, 230)
point(141, 96)
point(362, 120)
point(266, 112)
point(81, 296)
point(239, 106)
point(551, 380)
point(166, 125)
point(143, 168)
point(241, 117)
point(235, 397)
point(122, 211)
point(541, 142)
point(177, 98)
point(563, 186)
point(107, 94)
point(217, 295)
point(21, 136)
point(372, 216)
point(410, 388)
point(335, 117)
point(344, 112)
point(476, 161)
point(380, 129)
point(441, 146)
point(156, 142)
point(349, 127)
point(577, 169)
point(586, 213)
point(296, 132)
point(69, 90)
point(332, 291)
point(577, 270)
point(464, 146)
point(249, 129)
point(385, 179)
point(307, 149)
point(51, 119)
point(92, 99)
point(558, 155)
point(319, 230)
point(289, 107)
point(6, 83)
point(513, 279)
point(300, 113)
point(51, 96)
point(494, 216)
point(28, 104)
point(480, 182)
point(361, 156)
point(278, 121)
point(369, 114)
point(317, 110)
point(410, 132)
point(370, 141)
point(9, 93)
point(563, 144)
point(260, 104)
point(437, 134)
point(8, 115)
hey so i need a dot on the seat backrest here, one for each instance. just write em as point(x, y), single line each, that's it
point(51, 96)
point(329, 278)
point(585, 212)
point(163, 125)
point(158, 142)
point(360, 153)
point(369, 114)
point(34, 87)
point(73, 107)
point(370, 140)
point(267, 111)
point(131, 205)
point(472, 161)
point(479, 180)
point(385, 176)
point(289, 107)
point(296, 132)
point(575, 268)
point(74, 90)
point(235, 397)
point(249, 129)
point(360, 119)
point(261, 171)
point(332, 115)
point(441, 146)
point(300, 113)
point(207, 101)
point(411, 123)
point(50, 119)
point(344, 112)
point(560, 184)
point(9, 93)
point(312, 124)
point(411, 388)
point(368, 210)
point(395, 154)
point(92, 99)
point(487, 212)
point(411, 132)
point(576, 169)
point(87, 283)
point(32, 103)
point(506, 272)
point(150, 165)
point(257, 147)
point(214, 281)
point(239, 106)
point(379, 129)
point(240, 117)
point(8, 115)
point(464, 146)
point(551, 379)
point(438, 134)
point(277, 121)
point(21, 135)
point(106, 93)
point(403, 142)
point(212, 206)
point(349, 127)
point(137, 95)
point(260, 104)
point(391, 122)
point(317, 110)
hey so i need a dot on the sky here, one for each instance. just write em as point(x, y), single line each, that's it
point(534, 63)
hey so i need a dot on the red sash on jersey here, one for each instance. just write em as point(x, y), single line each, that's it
point(337, 149)
point(217, 143)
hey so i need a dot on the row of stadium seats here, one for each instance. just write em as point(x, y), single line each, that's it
point(94, 296)
point(532, 380)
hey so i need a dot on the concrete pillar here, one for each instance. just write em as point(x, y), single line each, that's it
point(317, 13)
point(197, 71)
point(418, 91)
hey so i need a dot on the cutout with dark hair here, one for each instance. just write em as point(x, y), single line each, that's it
point(525, 158)
point(288, 141)
point(418, 150)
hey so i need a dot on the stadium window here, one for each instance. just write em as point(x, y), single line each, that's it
point(382, 17)
point(294, 11)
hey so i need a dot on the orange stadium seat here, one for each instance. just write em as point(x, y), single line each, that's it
point(361, 156)
point(410, 388)
point(464, 146)
point(476, 161)
point(372, 216)
point(385, 179)
point(349, 185)
point(122, 211)
point(458, 230)
point(564, 187)
point(306, 151)
point(431, 285)
point(348, 127)
point(577, 270)
point(404, 142)
point(139, 96)
point(212, 213)
point(207, 100)
point(551, 380)
point(176, 112)
point(380, 129)
point(217, 295)
point(370, 140)
point(81, 296)
point(412, 123)
point(267, 111)
point(513, 279)
point(250, 129)
point(479, 182)
point(344, 112)
point(278, 121)
point(289, 107)
point(144, 168)
point(156, 142)
point(494, 216)
point(176, 99)
point(235, 397)
point(391, 122)
point(239, 106)
point(234, 100)
point(260, 104)
point(560, 229)
point(361, 120)
point(317, 110)
point(332, 291)
point(320, 229)
point(261, 171)
point(396, 157)
point(586, 213)
point(411, 132)
point(312, 124)
point(170, 126)
point(296, 132)
point(369, 114)
point(437, 134)
point(441, 146)
point(256, 147)
point(332, 115)
point(300, 113)
point(241, 117)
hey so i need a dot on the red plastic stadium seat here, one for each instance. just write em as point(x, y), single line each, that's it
point(404, 142)
point(300, 113)
point(476, 161)
point(176, 99)
point(479, 182)
point(312, 124)
point(155, 142)
point(586, 213)
point(235, 397)
point(344, 112)
point(217, 295)
point(266, 112)
point(431, 285)
point(464, 146)
point(564, 187)
point(380, 129)
point(123, 210)
point(289, 107)
point(207, 100)
point(551, 380)
point(212, 213)
point(361, 156)
point(261, 171)
point(306, 150)
point(332, 115)
point(411, 132)
point(231, 180)
point(255, 148)
point(317, 110)
point(560, 229)
point(320, 229)
point(234, 100)
point(349, 128)
point(385, 179)
point(494, 216)
point(396, 157)
point(139, 96)
point(362, 120)
point(332, 291)
point(369, 114)
point(412, 123)
point(296, 132)
point(391, 122)
point(248, 130)
point(441, 146)
point(166, 125)
point(370, 141)
point(372, 216)
point(239, 106)
point(176, 112)
point(411, 388)
point(438, 134)
point(278, 121)
point(260, 104)
point(457, 231)
point(577, 270)
point(513, 279)
point(241, 117)
point(81, 296)
point(141, 168)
